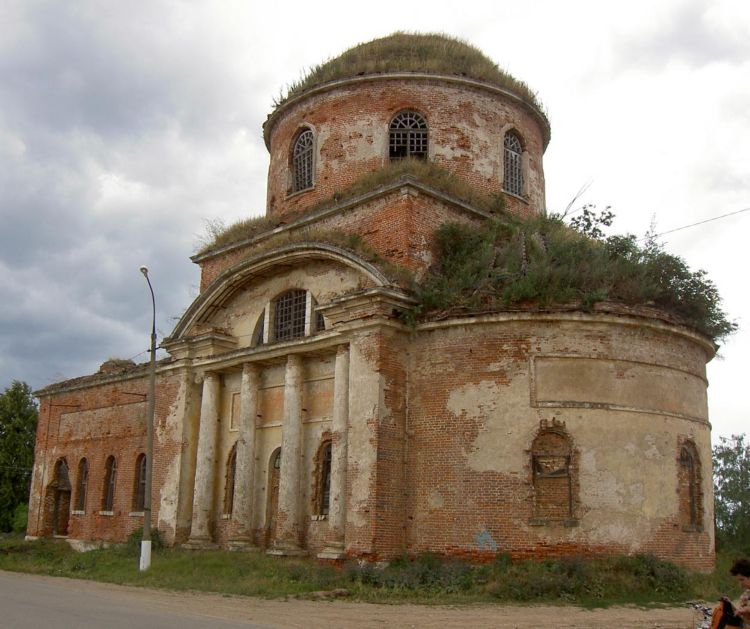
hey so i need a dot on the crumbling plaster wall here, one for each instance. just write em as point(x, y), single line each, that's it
point(325, 281)
point(317, 399)
point(350, 124)
point(475, 407)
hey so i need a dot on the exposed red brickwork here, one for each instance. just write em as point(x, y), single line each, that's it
point(398, 226)
point(94, 423)
point(534, 434)
point(466, 131)
point(457, 509)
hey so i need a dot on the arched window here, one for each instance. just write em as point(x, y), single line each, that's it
point(302, 161)
point(289, 315)
point(272, 496)
point(408, 136)
point(139, 488)
point(323, 493)
point(554, 476)
point(110, 478)
point(83, 484)
point(689, 488)
point(513, 167)
point(259, 330)
point(229, 480)
point(62, 475)
point(61, 504)
point(320, 322)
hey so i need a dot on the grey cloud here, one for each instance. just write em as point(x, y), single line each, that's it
point(686, 35)
point(89, 97)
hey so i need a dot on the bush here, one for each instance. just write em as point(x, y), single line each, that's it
point(426, 572)
point(20, 518)
point(578, 579)
point(541, 261)
point(133, 545)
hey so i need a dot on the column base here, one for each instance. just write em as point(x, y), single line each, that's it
point(242, 545)
point(200, 543)
point(286, 549)
point(332, 551)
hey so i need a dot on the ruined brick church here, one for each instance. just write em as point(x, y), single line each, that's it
point(297, 412)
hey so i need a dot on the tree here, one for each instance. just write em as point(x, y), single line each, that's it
point(18, 417)
point(732, 492)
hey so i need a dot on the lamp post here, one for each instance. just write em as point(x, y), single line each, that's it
point(145, 562)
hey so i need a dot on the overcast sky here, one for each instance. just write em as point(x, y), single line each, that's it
point(125, 126)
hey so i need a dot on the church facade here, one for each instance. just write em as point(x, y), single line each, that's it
point(299, 413)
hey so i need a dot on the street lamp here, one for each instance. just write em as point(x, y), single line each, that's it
point(145, 562)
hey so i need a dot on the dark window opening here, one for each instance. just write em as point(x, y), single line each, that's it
point(61, 500)
point(324, 486)
point(408, 136)
point(229, 481)
point(83, 483)
point(139, 493)
point(259, 330)
point(690, 495)
point(110, 477)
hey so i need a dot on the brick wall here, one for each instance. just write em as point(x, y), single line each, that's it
point(94, 423)
point(472, 424)
point(350, 123)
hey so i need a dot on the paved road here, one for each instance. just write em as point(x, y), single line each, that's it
point(36, 602)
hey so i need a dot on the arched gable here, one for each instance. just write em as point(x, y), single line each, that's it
point(268, 264)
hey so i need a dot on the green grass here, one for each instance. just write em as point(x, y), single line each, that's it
point(535, 263)
point(426, 172)
point(639, 579)
point(430, 53)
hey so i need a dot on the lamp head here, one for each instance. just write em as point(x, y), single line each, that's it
point(144, 270)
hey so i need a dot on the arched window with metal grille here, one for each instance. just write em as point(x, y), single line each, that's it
point(139, 485)
point(83, 483)
point(302, 161)
point(513, 164)
point(110, 479)
point(289, 310)
point(408, 136)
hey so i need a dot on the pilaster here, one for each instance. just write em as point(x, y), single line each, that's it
point(337, 509)
point(244, 483)
point(200, 536)
point(288, 517)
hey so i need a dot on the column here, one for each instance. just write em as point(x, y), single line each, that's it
point(337, 508)
point(206, 463)
point(244, 477)
point(288, 517)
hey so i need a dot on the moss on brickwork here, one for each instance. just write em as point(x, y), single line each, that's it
point(541, 262)
point(413, 52)
point(428, 173)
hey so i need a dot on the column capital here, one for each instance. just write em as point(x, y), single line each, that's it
point(250, 368)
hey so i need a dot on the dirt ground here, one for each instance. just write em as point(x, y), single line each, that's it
point(343, 614)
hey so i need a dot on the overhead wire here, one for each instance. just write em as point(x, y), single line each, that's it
point(708, 220)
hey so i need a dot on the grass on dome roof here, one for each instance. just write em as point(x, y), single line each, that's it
point(412, 52)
